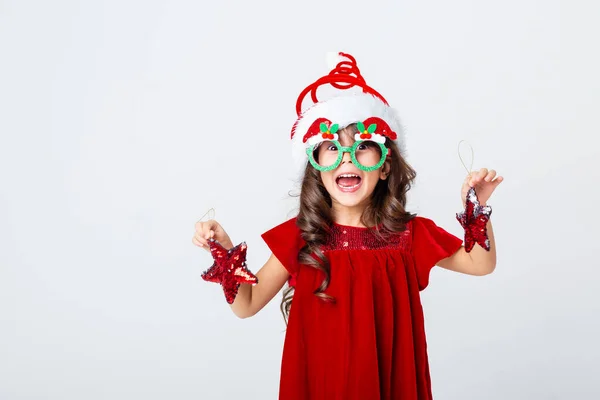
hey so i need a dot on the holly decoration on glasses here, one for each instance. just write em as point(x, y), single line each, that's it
point(474, 221)
point(366, 133)
point(328, 133)
point(229, 269)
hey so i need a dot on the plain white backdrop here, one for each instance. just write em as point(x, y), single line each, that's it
point(123, 122)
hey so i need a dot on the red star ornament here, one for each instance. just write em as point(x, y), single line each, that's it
point(229, 269)
point(474, 221)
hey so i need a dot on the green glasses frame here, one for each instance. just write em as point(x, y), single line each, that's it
point(344, 149)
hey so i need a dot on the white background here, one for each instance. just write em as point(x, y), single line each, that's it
point(122, 122)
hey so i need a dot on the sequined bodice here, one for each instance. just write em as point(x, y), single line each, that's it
point(344, 237)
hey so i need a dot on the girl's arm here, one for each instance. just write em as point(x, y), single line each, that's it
point(252, 298)
point(478, 262)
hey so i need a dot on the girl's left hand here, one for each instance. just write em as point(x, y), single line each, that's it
point(484, 181)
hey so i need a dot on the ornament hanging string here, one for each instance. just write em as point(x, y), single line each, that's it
point(210, 213)
point(470, 169)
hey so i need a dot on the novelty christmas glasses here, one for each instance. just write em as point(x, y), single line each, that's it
point(368, 152)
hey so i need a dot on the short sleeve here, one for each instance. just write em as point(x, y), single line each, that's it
point(285, 241)
point(430, 244)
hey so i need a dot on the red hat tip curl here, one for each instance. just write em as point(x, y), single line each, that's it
point(344, 76)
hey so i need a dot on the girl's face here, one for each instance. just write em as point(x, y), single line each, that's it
point(347, 185)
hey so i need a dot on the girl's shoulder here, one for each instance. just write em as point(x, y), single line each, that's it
point(430, 243)
point(286, 234)
point(285, 228)
point(418, 220)
point(285, 242)
point(419, 224)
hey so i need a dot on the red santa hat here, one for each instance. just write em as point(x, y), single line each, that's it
point(321, 120)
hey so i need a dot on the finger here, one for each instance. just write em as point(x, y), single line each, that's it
point(198, 225)
point(479, 176)
point(468, 178)
point(200, 239)
point(212, 234)
point(197, 242)
point(206, 231)
point(474, 179)
point(490, 175)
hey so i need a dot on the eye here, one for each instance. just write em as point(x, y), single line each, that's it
point(367, 145)
point(332, 147)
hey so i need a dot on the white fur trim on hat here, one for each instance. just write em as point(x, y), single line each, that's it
point(318, 139)
point(344, 110)
point(374, 137)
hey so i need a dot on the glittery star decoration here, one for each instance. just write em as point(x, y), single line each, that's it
point(474, 221)
point(229, 269)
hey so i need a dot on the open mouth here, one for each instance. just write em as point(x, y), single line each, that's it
point(348, 182)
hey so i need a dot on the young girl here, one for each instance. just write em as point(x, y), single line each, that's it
point(355, 260)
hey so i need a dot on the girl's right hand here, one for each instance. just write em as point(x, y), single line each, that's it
point(210, 229)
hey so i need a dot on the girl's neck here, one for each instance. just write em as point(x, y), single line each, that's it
point(348, 216)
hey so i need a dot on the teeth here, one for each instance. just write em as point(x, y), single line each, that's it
point(348, 176)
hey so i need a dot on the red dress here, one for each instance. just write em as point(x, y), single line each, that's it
point(370, 344)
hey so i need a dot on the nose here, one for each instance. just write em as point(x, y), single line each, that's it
point(346, 157)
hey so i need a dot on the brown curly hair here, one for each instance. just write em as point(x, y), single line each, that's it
point(387, 207)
